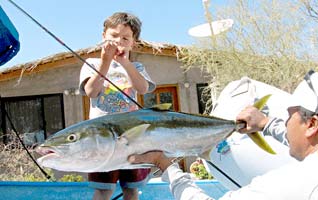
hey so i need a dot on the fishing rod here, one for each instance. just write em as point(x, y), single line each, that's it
point(74, 53)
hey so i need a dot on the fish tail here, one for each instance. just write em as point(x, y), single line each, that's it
point(257, 138)
point(261, 142)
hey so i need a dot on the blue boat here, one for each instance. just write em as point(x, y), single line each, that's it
point(11, 190)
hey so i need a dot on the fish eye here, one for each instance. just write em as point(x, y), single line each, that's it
point(71, 138)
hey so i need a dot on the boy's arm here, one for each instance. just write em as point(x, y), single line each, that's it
point(94, 84)
point(139, 83)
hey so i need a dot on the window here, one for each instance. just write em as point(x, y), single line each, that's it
point(204, 98)
point(162, 94)
point(34, 117)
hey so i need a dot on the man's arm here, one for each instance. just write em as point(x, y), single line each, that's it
point(257, 121)
point(181, 185)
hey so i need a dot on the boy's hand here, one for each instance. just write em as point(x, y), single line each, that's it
point(109, 50)
point(122, 56)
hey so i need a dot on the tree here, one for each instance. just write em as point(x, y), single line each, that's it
point(311, 7)
point(271, 41)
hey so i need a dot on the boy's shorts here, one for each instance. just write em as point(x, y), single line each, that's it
point(130, 178)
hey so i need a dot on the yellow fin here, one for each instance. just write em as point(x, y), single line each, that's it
point(260, 141)
point(257, 138)
point(162, 107)
point(131, 134)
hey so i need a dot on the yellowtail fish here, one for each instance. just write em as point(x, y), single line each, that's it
point(104, 143)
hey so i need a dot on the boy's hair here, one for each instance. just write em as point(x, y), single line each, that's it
point(125, 19)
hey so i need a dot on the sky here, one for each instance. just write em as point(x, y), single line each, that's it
point(79, 23)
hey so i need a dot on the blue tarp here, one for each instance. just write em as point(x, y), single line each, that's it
point(9, 38)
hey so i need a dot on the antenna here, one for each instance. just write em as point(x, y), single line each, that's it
point(211, 28)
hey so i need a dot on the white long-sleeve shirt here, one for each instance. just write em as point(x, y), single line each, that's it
point(276, 127)
point(295, 181)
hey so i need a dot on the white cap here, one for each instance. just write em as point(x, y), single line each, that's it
point(305, 95)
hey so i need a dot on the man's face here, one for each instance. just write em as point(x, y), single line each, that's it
point(296, 129)
point(122, 35)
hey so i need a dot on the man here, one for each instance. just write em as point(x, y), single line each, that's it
point(294, 181)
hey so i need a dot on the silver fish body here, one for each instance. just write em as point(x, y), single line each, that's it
point(104, 143)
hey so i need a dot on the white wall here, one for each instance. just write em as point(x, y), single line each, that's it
point(162, 69)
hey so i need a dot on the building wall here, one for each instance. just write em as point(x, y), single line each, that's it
point(49, 82)
point(166, 70)
point(163, 70)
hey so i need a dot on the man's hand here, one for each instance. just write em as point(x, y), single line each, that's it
point(255, 119)
point(154, 157)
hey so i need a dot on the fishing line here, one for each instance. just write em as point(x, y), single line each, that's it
point(118, 196)
point(74, 53)
point(224, 174)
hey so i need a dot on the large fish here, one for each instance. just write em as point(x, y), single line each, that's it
point(104, 143)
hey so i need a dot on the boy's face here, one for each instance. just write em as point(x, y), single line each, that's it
point(122, 35)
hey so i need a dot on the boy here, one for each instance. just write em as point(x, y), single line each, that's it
point(121, 31)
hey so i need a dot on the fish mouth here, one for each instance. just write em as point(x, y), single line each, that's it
point(47, 152)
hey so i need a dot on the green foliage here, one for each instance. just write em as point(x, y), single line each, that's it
point(200, 172)
point(64, 178)
point(71, 178)
point(36, 177)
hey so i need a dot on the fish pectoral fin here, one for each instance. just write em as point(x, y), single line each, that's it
point(133, 133)
point(261, 142)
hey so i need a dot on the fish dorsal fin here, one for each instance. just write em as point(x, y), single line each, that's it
point(257, 138)
point(133, 133)
point(162, 107)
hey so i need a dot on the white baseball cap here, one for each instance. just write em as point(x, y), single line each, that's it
point(305, 95)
